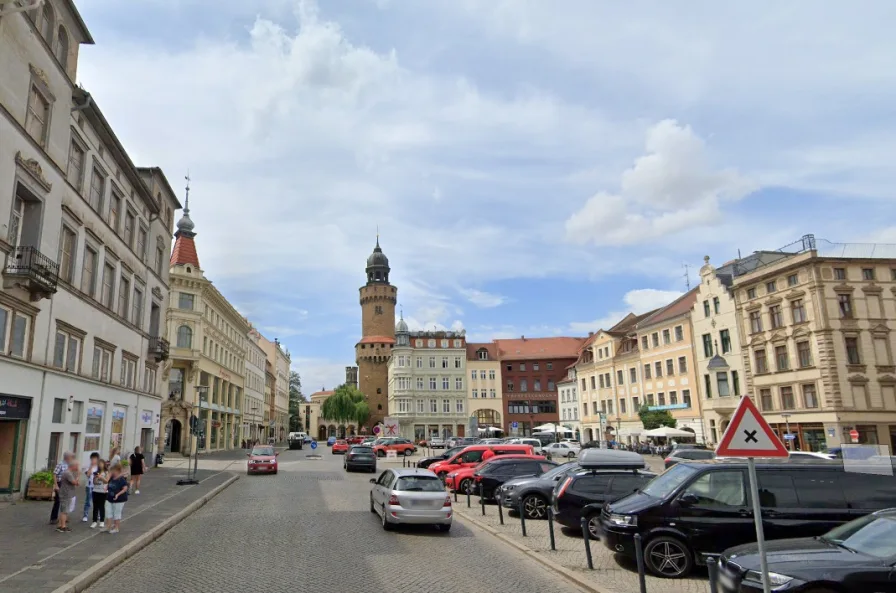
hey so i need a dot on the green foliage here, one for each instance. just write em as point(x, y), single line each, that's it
point(652, 419)
point(296, 399)
point(43, 478)
point(346, 405)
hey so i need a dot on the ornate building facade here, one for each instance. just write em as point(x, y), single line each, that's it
point(373, 351)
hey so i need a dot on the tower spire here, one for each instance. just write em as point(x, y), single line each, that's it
point(184, 251)
point(187, 198)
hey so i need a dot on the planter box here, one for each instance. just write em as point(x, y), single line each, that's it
point(39, 492)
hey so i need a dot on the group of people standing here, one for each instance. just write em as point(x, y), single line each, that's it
point(106, 489)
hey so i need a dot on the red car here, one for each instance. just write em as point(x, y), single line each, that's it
point(340, 446)
point(355, 440)
point(262, 460)
point(464, 479)
point(400, 446)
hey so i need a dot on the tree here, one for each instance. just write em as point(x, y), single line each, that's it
point(346, 405)
point(296, 399)
point(656, 418)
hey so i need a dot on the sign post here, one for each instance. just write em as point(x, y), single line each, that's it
point(749, 435)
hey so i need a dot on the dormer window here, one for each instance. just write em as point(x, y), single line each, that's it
point(483, 354)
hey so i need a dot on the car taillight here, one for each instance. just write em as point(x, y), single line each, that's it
point(393, 501)
point(667, 459)
point(564, 487)
point(447, 502)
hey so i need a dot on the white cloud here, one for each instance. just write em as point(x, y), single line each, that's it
point(482, 299)
point(318, 373)
point(671, 188)
point(637, 301)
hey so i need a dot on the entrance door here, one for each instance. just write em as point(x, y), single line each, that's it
point(12, 448)
point(174, 435)
point(146, 443)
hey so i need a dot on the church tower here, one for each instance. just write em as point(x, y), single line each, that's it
point(372, 353)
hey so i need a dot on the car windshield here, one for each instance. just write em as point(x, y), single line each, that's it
point(666, 483)
point(871, 535)
point(560, 469)
point(419, 484)
point(362, 451)
point(340, 442)
point(263, 451)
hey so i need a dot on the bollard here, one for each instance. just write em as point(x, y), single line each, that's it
point(455, 495)
point(551, 527)
point(587, 537)
point(500, 512)
point(639, 558)
point(482, 497)
point(522, 518)
point(468, 497)
point(712, 567)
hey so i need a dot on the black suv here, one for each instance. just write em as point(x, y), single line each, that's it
point(497, 471)
point(698, 509)
point(604, 475)
point(534, 492)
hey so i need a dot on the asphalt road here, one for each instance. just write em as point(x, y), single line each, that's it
point(309, 528)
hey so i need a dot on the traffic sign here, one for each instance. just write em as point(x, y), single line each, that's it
point(749, 435)
point(313, 445)
point(854, 435)
point(789, 437)
point(376, 429)
point(514, 425)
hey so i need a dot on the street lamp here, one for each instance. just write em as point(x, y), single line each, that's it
point(201, 392)
point(786, 417)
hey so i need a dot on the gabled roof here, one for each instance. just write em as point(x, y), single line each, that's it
point(545, 348)
point(629, 323)
point(473, 348)
point(679, 306)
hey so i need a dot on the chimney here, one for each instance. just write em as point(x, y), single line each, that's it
point(523, 338)
point(590, 334)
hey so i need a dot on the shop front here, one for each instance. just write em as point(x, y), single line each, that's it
point(14, 414)
point(806, 436)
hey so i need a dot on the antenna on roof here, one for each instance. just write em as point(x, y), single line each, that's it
point(687, 275)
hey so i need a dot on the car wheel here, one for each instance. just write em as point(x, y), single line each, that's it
point(408, 452)
point(386, 525)
point(445, 528)
point(380, 453)
point(465, 486)
point(571, 455)
point(593, 525)
point(535, 507)
point(668, 557)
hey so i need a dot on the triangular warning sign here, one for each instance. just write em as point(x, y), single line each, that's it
point(749, 435)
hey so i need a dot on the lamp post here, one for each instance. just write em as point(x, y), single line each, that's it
point(786, 417)
point(195, 429)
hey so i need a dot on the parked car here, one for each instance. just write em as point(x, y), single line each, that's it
point(437, 443)
point(604, 475)
point(498, 470)
point(262, 460)
point(463, 479)
point(359, 457)
point(354, 439)
point(410, 496)
point(400, 446)
point(475, 454)
point(330, 441)
point(534, 443)
point(696, 509)
point(688, 455)
point(340, 446)
point(458, 441)
point(561, 450)
point(428, 461)
point(295, 440)
point(857, 556)
point(534, 491)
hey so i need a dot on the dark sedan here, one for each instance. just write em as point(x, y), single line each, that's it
point(534, 491)
point(427, 461)
point(497, 471)
point(360, 457)
point(857, 556)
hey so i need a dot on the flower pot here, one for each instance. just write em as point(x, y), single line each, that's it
point(39, 491)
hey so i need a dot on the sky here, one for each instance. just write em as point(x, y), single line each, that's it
point(533, 168)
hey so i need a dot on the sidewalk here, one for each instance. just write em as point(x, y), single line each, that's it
point(34, 557)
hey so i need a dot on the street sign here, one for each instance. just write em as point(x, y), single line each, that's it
point(313, 445)
point(749, 435)
point(514, 425)
point(854, 435)
point(789, 437)
point(390, 427)
point(391, 454)
point(376, 429)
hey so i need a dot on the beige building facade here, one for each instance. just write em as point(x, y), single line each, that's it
point(818, 344)
point(484, 387)
point(278, 411)
point(254, 425)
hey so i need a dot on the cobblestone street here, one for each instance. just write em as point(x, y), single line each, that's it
point(309, 528)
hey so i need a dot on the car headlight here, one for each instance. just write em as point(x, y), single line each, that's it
point(506, 488)
point(624, 520)
point(774, 579)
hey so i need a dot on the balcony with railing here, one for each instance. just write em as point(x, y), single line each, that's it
point(31, 270)
point(158, 349)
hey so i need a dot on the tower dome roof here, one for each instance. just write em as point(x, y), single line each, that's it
point(378, 265)
point(377, 258)
point(401, 326)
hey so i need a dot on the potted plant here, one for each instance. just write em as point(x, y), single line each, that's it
point(40, 485)
point(126, 467)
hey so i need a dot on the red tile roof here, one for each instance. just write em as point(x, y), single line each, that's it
point(319, 393)
point(679, 306)
point(473, 348)
point(527, 348)
point(184, 252)
point(377, 340)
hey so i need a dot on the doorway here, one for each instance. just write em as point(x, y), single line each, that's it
point(173, 435)
point(322, 433)
point(146, 437)
point(12, 452)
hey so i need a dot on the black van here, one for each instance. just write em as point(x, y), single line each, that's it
point(695, 509)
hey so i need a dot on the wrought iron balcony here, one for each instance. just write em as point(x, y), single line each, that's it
point(33, 271)
point(158, 348)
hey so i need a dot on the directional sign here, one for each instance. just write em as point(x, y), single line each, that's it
point(749, 435)
point(789, 437)
point(514, 425)
point(314, 444)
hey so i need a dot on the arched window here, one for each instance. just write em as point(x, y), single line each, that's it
point(62, 47)
point(488, 418)
point(47, 24)
point(184, 337)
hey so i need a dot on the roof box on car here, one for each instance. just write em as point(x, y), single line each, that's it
point(610, 459)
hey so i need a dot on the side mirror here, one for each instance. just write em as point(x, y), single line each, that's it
point(372, 480)
point(688, 500)
point(248, 455)
point(277, 454)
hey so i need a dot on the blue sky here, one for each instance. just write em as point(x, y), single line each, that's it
point(534, 168)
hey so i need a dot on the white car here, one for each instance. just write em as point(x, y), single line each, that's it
point(567, 450)
point(414, 496)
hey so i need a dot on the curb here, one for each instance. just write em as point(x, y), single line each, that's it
point(100, 569)
point(564, 572)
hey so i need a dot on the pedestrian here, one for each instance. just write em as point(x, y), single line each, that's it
point(138, 468)
point(100, 484)
point(88, 489)
point(60, 469)
point(68, 488)
point(114, 456)
point(116, 496)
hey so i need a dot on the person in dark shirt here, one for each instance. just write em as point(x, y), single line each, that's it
point(138, 468)
point(116, 496)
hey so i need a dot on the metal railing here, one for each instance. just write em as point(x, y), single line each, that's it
point(30, 263)
point(158, 348)
point(822, 247)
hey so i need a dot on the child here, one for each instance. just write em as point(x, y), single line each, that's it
point(100, 482)
point(88, 491)
point(116, 496)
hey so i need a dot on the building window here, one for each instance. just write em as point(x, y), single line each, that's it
point(601, 382)
point(67, 246)
point(138, 307)
point(492, 393)
point(524, 386)
point(633, 375)
point(655, 339)
point(726, 341)
point(845, 302)
point(549, 366)
point(62, 48)
point(444, 362)
point(491, 375)
point(458, 383)
point(793, 280)
point(840, 273)
point(445, 383)
point(686, 397)
point(781, 358)
point(755, 322)
point(446, 406)
point(140, 247)
point(432, 383)
point(102, 364)
point(128, 372)
point(798, 310)
point(707, 345)
point(804, 353)
point(476, 393)
point(644, 344)
point(535, 366)
point(667, 337)
point(810, 398)
point(716, 305)
point(679, 333)
point(635, 406)
point(707, 384)
point(38, 117)
point(646, 371)
point(761, 361)
point(722, 384)
point(184, 337)
point(619, 377)
point(771, 287)
point(682, 365)
point(735, 381)
point(458, 364)
point(765, 400)
point(97, 190)
point(419, 362)
point(658, 369)
point(670, 367)
point(185, 301)
point(522, 366)
point(432, 362)
point(473, 375)
point(58, 411)
point(421, 406)
point(852, 351)
point(114, 217)
point(787, 398)
point(706, 310)
point(459, 406)
point(420, 383)
point(124, 289)
point(751, 293)
point(66, 351)
point(76, 159)
point(88, 272)
point(777, 319)
point(673, 398)
point(536, 385)
point(622, 406)
point(108, 285)
point(482, 354)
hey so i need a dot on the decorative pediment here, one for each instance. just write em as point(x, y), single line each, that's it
point(778, 336)
point(754, 306)
point(844, 288)
point(880, 328)
point(758, 340)
point(34, 170)
point(872, 289)
point(888, 379)
point(773, 300)
point(858, 379)
point(157, 292)
point(795, 294)
point(801, 332)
